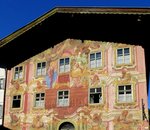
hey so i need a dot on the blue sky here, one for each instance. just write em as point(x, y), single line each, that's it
point(14, 14)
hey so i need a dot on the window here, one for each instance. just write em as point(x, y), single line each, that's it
point(123, 56)
point(41, 69)
point(125, 93)
point(63, 98)
point(1, 111)
point(95, 95)
point(16, 101)
point(39, 99)
point(64, 65)
point(18, 72)
point(95, 60)
point(2, 83)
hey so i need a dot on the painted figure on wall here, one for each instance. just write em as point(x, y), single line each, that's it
point(125, 121)
point(79, 68)
point(51, 76)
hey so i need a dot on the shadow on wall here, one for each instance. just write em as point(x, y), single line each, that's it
point(3, 128)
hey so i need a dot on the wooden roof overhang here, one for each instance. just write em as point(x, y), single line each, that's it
point(125, 25)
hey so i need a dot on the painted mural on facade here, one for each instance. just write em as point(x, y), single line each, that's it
point(79, 85)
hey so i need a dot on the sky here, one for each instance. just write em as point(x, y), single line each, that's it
point(15, 14)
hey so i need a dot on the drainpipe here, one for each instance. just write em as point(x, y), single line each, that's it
point(4, 96)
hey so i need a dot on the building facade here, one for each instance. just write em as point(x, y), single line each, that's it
point(2, 86)
point(79, 85)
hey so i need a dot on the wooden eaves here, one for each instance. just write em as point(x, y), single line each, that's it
point(125, 25)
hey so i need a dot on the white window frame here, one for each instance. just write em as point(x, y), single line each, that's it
point(100, 100)
point(18, 98)
point(124, 58)
point(64, 102)
point(40, 103)
point(2, 83)
point(95, 62)
point(41, 69)
point(65, 67)
point(18, 72)
point(125, 94)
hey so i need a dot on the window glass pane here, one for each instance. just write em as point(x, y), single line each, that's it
point(121, 92)
point(92, 56)
point(38, 65)
point(21, 75)
point(43, 71)
point(63, 102)
point(60, 93)
point(37, 95)
point(127, 59)
point(43, 64)
point(121, 88)
point(65, 96)
point(93, 64)
point(98, 55)
point(121, 98)
point(128, 87)
point(1, 111)
point(15, 97)
point(42, 103)
point(94, 98)
point(1, 83)
point(128, 98)
point(38, 71)
point(100, 97)
point(61, 68)
point(67, 68)
point(19, 96)
point(65, 92)
point(61, 62)
point(126, 51)
point(42, 98)
point(92, 90)
point(128, 92)
point(20, 69)
point(60, 97)
point(120, 60)
point(16, 69)
point(42, 94)
point(98, 63)
point(67, 61)
point(119, 52)
point(98, 89)
point(16, 76)
point(16, 104)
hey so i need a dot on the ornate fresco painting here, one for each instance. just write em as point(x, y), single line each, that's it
point(79, 85)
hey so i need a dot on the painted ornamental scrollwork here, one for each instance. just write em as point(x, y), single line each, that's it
point(17, 88)
point(15, 120)
point(126, 121)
